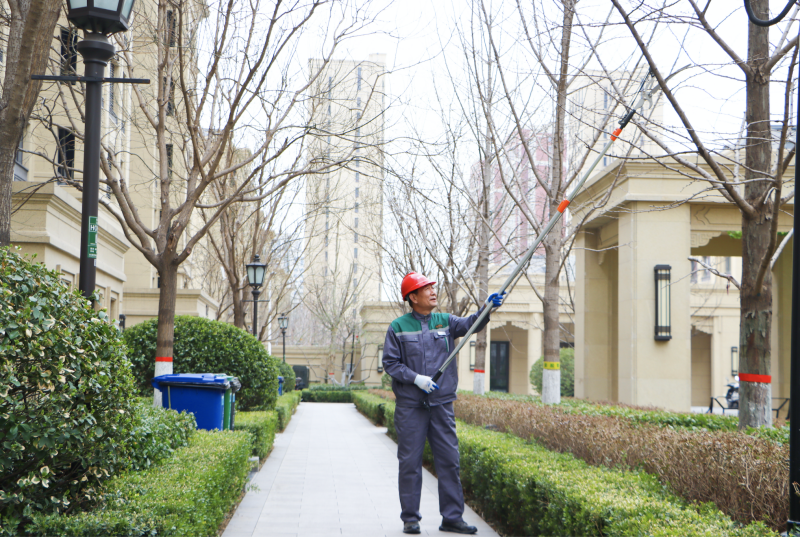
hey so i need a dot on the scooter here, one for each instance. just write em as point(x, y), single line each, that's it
point(732, 397)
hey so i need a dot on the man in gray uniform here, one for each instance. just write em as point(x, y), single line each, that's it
point(417, 345)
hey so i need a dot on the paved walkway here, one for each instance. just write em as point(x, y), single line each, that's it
point(333, 473)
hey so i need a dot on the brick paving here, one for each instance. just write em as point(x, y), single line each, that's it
point(332, 472)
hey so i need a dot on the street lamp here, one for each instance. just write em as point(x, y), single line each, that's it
point(255, 277)
point(380, 358)
point(283, 324)
point(98, 19)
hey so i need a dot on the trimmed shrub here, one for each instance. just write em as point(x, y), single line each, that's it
point(287, 403)
point(528, 490)
point(330, 393)
point(188, 494)
point(744, 476)
point(371, 406)
point(567, 357)
point(288, 375)
point(262, 425)
point(206, 346)
point(66, 394)
point(157, 432)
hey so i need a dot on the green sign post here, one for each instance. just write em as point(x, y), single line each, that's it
point(91, 252)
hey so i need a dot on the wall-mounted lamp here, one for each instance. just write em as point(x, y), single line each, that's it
point(734, 361)
point(380, 358)
point(472, 356)
point(663, 303)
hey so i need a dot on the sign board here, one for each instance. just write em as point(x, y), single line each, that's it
point(92, 249)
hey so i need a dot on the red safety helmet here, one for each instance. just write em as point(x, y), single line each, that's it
point(411, 282)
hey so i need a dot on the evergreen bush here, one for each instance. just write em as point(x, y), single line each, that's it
point(156, 434)
point(287, 403)
point(262, 424)
point(66, 395)
point(567, 357)
point(288, 375)
point(206, 346)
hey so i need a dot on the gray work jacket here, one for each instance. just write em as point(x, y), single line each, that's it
point(418, 345)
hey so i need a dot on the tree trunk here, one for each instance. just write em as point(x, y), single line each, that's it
point(30, 36)
point(755, 319)
point(166, 322)
point(484, 235)
point(551, 374)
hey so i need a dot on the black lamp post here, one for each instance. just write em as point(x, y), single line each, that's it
point(255, 277)
point(283, 323)
point(98, 19)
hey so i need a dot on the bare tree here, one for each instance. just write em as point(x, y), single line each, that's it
point(759, 195)
point(26, 35)
point(224, 76)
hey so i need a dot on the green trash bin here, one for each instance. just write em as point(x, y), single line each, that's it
point(229, 404)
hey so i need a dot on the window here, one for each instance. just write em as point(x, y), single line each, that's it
point(326, 239)
point(356, 208)
point(20, 171)
point(706, 272)
point(355, 284)
point(171, 96)
point(107, 187)
point(112, 112)
point(324, 271)
point(694, 272)
point(355, 237)
point(355, 253)
point(358, 176)
point(65, 156)
point(169, 161)
point(728, 265)
point(358, 80)
point(69, 52)
point(172, 23)
point(358, 162)
point(605, 100)
point(356, 222)
point(355, 268)
point(356, 191)
point(358, 105)
point(326, 257)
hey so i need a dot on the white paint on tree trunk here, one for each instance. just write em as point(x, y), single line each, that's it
point(551, 386)
point(162, 368)
point(478, 383)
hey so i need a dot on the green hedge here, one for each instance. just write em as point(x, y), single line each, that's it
point(371, 406)
point(285, 408)
point(527, 490)
point(288, 375)
point(66, 394)
point(331, 393)
point(189, 494)
point(156, 434)
point(262, 425)
point(206, 346)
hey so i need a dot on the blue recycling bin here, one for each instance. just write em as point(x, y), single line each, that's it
point(202, 394)
point(280, 385)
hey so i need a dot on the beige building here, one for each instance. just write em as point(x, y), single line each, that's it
point(344, 217)
point(51, 158)
point(652, 219)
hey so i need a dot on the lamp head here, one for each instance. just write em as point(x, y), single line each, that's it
point(255, 272)
point(283, 322)
point(104, 17)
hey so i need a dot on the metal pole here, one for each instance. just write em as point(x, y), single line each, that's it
point(256, 292)
point(283, 331)
point(96, 51)
point(794, 393)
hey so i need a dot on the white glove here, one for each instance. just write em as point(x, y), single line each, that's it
point(425, 384)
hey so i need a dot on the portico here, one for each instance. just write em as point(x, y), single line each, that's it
point(657, 216)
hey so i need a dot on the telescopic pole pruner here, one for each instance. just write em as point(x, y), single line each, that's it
point(644, 94)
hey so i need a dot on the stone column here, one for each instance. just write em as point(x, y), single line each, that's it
point(653, 372)
point(593, 348)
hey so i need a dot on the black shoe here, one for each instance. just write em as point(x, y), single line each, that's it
point(458, 527)
point(411, 527)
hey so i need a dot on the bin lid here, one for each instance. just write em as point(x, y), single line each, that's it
point(236, 385)
point(205, 380)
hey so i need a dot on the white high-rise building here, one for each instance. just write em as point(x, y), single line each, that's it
point(344, 205)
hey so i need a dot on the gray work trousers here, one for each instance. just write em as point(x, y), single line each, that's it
point(413, 426)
